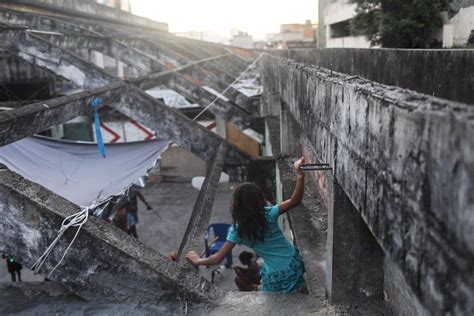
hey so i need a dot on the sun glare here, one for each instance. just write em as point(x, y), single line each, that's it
point(257, 17)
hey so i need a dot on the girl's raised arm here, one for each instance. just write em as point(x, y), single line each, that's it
point(297, 195)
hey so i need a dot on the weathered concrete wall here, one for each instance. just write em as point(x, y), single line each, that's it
point(443, 73)
point(91, 9)
point(404, 161)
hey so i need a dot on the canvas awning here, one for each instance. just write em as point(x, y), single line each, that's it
point(76, 170)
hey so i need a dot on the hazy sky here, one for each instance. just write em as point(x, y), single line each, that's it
point(257, 17)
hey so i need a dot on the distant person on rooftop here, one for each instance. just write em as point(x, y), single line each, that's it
point(13, 266)
point(255, 225)
point(247, 279)
point(131, 207)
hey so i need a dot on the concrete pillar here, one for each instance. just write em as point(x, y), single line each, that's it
point(221, 127)
point(119, 66)
point(289, 134)
point(97, 58)
point(354, 263)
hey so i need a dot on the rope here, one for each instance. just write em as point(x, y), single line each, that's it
point(75, 220)
point(228, 87)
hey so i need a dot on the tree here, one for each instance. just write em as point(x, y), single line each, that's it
point(398, 23)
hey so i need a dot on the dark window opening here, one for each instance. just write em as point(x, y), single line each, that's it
point(340, 29)
point(24, 91)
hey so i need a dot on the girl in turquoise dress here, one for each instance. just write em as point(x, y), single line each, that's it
point(255, 225)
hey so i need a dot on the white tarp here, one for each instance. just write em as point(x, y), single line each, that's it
point(76, 170)
point(170, 97)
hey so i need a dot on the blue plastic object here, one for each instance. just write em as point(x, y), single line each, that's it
point(98, 133)
point(220, 231)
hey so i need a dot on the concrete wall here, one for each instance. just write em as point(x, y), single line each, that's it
point(443, 73)
point(405, 163)
point(91, 9)
point(349, 41)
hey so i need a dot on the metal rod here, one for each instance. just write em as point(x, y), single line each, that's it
point(315, 164)
point(305, 168)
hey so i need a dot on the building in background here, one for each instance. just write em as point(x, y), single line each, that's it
point(335, 15)
point(293, 35)
point(298, 35)
point(458, 29)
point(241, 39)
point(334, 31)
point(207, 36)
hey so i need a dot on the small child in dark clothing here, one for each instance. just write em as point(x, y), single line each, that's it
point(13, 267)
point(247, 279)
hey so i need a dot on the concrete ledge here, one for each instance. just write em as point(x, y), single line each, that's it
point(405, 163)
point(91, 9)
point(443, 73)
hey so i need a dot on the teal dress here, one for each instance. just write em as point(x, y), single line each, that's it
point(283, 267)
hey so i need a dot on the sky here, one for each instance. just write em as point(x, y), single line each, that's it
point(257, 17)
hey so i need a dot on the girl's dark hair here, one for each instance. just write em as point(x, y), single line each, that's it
point(248, 212)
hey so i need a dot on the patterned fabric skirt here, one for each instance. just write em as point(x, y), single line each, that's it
point(288, 280)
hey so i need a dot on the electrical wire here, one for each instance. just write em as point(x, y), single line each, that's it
point(228, 87)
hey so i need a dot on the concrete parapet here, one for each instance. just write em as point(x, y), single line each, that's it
point(444, 73)
point(405, 163)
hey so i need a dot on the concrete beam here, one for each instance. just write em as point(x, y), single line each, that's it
point(103, 263)
point(70, 36)
point(43, 54)
point(404, 162)
point(172, 46)
point(199, 221)
point(37, 117)
point(90, 10)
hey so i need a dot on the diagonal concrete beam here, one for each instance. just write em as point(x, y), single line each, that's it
point(34, 118)
point(201, 214)
point(69, 35)
point(43, 54)
point(102, 264)
point(39, 52)
point(175, 48)
point(222, 108)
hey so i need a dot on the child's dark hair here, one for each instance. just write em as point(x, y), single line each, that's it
point(245, 257)
point(248, 212)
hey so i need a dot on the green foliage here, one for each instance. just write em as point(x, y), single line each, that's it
point(398, 23)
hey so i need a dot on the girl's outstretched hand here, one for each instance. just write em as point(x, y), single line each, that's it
point(193, 257)
point(298, 164)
